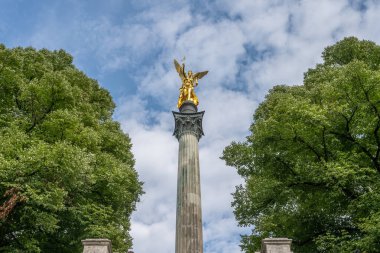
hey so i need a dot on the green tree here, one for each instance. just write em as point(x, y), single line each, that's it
point(311, 164)
point(66, 168)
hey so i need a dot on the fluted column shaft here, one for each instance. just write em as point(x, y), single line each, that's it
point(189, 237)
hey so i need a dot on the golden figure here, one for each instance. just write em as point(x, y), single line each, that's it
point(189, 82)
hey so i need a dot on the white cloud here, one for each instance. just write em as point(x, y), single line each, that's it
point(157, 237)
point(369, 28)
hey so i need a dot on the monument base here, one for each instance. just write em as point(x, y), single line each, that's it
point(275, 245)
point(97, 246)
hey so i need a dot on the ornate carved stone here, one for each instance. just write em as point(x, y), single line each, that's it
point(188, 123)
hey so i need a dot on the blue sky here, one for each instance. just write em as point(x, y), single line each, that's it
point(129, 46)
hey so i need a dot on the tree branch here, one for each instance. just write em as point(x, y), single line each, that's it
point(311, 148)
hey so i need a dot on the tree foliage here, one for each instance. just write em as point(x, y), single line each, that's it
point(66, 168)
point(312, 162)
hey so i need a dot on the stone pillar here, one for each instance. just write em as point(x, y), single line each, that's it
point(97, 246)
point(276, 245)
point(188, 131)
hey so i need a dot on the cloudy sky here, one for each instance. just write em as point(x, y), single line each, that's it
point(129, 46)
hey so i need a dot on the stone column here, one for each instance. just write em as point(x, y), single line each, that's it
point(188, 131)
point(97, 246)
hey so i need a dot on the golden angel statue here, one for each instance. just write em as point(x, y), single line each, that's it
point(189, 82)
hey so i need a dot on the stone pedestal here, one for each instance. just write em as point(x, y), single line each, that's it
point(276, 245)
point(97, 246)
point(188, 131)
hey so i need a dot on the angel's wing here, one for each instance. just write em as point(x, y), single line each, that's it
point(180, 70)
point(199, 75)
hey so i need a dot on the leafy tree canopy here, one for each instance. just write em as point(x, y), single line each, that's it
point(311, 164)
point(66, 168)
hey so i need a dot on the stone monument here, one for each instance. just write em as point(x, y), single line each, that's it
point(276, 245)
point(97, 246)
point(188, 130)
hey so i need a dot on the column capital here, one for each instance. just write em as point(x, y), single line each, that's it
point(188, 123)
